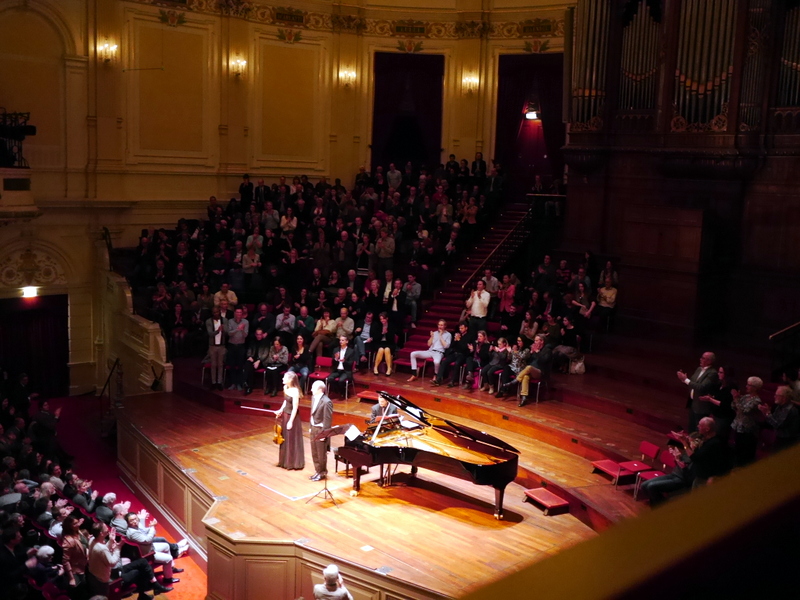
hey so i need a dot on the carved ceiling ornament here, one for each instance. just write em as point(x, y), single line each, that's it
point(31, 266)
point(319, 21)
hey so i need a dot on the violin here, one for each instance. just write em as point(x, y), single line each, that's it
point(278, 437)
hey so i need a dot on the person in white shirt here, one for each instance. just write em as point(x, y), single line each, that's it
point(104, 556)
point(478, 307)
point(437, 344)
point(143, 535)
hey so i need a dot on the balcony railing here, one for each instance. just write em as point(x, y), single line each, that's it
point(498, 257)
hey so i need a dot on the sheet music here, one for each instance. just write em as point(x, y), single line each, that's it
point(352, 433)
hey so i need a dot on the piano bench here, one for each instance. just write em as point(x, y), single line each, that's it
point(547, 500)
point(368, 396)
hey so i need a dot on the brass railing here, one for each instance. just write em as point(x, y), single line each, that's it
point(785, 349)
point(498, 257)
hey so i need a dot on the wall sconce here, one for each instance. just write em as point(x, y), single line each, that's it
point(238, 66)
point(107, 52)
point(469, 84)
point(347, 77)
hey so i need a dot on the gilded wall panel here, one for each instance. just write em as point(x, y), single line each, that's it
point(32, 80)
point(171, 73)
point(291, 102)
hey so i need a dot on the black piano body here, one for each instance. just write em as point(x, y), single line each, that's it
point(436, 444)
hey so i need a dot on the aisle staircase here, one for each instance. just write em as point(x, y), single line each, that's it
point(494, 248)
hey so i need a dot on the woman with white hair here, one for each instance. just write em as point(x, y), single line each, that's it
point(42, 570)
point(745, 426)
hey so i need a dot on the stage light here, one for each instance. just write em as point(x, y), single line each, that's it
point(30, 291)
point(532, 115)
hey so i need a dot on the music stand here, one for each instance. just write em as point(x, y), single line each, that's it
point(323, 435)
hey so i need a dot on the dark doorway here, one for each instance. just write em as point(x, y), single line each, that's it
point(407, 114)
point(527, 148)
point(34, 339)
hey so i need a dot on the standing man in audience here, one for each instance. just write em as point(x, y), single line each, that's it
point(606, 301)
point(478, 307)
point(413, 292)
point(246, 193)
point(237, 335)
point(256, 357)
point(285, 325)
point(227, 293)
point(479, 168)
point(343, 359)
point(304, 323)
point(321, 419)
point(703, 382)
point(784, 418)
point(217, 329)
point(438, 343)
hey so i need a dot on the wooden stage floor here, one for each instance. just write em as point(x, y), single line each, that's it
point(435, 531)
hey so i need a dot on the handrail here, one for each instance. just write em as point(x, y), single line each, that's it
point(108, 379)
point(500, 246)
point(784, 331)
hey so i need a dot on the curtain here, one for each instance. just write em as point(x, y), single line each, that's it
point(34, 339)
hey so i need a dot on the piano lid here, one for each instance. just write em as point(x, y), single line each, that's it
point(445, 424)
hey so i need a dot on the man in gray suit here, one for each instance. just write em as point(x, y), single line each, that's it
point(321, 419)
point(704, 381)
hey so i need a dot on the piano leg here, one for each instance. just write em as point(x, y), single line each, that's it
point(498, 502)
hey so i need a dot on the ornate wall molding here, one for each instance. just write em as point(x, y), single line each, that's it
point(353, 24)
point(31, 265)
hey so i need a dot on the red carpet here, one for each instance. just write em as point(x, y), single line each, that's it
point(95, 459)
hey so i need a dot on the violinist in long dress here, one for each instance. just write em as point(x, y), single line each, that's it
point(291, 451)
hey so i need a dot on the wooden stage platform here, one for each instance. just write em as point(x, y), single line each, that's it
point(435, 533)
point(208, 459)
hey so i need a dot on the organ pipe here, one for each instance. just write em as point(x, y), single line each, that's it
point(589, 66)
point(639, 65)
point(705, 64)
point(789, 77)
point(753, 69)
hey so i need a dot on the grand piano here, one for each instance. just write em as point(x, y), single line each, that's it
point(430, 442)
